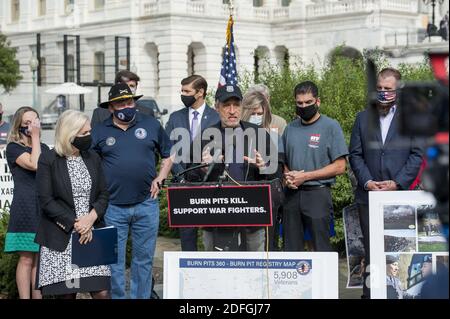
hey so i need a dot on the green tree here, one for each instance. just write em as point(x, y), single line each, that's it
point(9, 66)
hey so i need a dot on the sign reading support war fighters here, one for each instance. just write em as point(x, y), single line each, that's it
point(6, 183)
point(224, 206)
point(250, 275)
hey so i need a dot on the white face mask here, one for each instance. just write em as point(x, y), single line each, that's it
point(256, 119)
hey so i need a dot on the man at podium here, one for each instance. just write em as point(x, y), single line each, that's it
point(236, 151)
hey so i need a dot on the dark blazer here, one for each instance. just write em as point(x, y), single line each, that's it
point(252, 172)
point(399, 159)
point(100, 114)
point(180, 119)
point(56, 199)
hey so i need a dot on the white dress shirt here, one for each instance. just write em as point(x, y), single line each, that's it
point(385, 123)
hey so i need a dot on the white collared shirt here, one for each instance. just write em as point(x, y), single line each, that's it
point(200, 111)
point(385, 122)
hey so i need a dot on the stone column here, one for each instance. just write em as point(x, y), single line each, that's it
point(173, 68)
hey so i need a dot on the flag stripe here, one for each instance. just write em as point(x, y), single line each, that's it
point(228, 72)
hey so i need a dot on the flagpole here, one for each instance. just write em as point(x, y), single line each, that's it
point(231, 7)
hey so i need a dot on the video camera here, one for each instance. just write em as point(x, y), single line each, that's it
point(423, 112)
point(423, 106)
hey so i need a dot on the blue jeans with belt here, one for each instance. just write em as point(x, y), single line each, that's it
point(143, 219)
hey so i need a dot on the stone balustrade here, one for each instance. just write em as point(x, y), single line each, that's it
point(359, 6)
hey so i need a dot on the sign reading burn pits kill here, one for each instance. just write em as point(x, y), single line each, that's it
point(6, 183)
point(220, 206)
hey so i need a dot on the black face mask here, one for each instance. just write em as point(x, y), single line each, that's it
point(82, 143)
point(307, 113)
point(24, 131)
point(188, 100)
point(1, 116)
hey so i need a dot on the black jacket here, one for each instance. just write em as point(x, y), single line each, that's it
point(251, 171)
point(56, 199)
point(398, 159)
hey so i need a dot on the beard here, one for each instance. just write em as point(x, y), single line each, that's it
point(384, 108)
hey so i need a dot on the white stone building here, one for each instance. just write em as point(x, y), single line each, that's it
point(170, 39)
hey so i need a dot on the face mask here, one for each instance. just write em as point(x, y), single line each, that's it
point(125, 115)
point(386, 100)
point(256, 119)
point(133, 90)
point(188, 100)
point(24, 131)
point(82, 143)
point(1, 116)
point(307, 113)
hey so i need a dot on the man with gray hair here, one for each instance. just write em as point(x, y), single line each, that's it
point(240, 152)
point(278, 123)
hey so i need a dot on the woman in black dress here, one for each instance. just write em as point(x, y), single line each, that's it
point(22, 153)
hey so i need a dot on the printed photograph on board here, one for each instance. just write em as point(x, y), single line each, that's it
point(399, 228)
point(406, 274)
point(429, 230)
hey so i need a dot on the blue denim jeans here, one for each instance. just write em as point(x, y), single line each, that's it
point(143, 219)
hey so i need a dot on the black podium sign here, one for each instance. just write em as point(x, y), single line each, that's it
point(225, 206)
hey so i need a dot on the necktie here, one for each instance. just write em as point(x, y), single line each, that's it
point(194, 124)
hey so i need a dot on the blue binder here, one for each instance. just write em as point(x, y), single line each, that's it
point(102, 250)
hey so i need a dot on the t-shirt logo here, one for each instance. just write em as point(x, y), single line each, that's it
point(140, 133)
point(110, 141)
point(121, 116)
point(3, 134)
point(314, 140)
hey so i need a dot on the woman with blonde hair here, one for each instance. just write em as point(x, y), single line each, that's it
point(22, 153)
point(73, 196)
point(256, 109)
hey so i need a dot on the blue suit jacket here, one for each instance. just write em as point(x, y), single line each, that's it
point(180, 119)
point(398, 159)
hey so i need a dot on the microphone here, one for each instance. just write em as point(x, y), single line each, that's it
point(211, 165)
point(176, 177)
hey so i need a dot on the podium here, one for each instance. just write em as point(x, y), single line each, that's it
point(224, 208)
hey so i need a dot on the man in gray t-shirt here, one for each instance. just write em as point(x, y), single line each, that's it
point(315, 152)
point(4, 129)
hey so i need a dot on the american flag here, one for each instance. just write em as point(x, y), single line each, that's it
point(386, 96)
point(228, 73)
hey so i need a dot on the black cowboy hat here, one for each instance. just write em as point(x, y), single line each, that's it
point(119, 92)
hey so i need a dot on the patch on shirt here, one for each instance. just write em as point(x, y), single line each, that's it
point(110, 141)
point(314, 140)
point(140, 133)
point(3, 134)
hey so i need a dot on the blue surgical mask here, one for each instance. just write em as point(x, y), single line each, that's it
point(125, 115)
point(256, 119)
